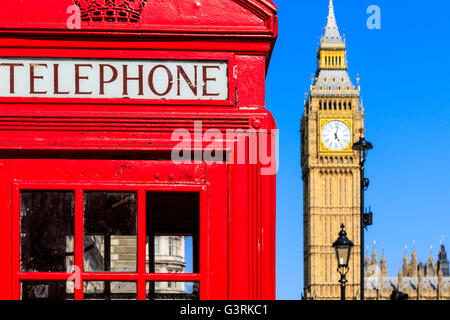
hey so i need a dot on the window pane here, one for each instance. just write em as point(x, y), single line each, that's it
point(47, 290)
point(173, 254)
point(109, 290)
point(172, 232)
point(47, 220)
point(157, 245)
point(110, 240)
point(173, 290)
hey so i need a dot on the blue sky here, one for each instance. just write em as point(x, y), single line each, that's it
point(405, 72)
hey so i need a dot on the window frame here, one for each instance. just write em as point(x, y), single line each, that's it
point(141, 277)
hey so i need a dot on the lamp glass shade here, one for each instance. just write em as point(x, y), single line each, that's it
point(343, 253)
point(343, 248)
point(362, 147)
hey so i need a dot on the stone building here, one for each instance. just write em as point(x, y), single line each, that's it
point(170, 258)
point(333, 120)
point(427, 281)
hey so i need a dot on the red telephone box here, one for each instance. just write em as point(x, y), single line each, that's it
point(137, 157)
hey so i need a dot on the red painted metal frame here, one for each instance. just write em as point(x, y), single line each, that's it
point(239, 202)
point(244, 205)
point(141, 276)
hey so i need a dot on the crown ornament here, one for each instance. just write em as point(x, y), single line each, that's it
point(111, 10)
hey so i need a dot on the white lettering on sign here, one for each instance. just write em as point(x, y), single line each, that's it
point(137, 79)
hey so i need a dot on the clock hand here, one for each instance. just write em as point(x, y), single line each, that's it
point(336, 137)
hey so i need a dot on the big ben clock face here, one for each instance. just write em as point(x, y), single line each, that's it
point(336, 135)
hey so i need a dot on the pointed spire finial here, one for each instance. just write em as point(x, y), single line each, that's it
point(430, 258)
point(331, 10)
point(374, 254)
point(383, 258)
point(332, 35)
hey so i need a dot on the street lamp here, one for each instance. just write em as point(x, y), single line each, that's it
point(362, 147)
point(343, 248)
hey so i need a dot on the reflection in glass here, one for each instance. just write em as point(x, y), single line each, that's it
point(109, 290)
point(46, 290)
point(47, 220)
point(110, 241)
point(172, 232)
point(173, 290)
point(173, 254)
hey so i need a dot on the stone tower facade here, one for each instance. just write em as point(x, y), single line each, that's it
point(333, 120)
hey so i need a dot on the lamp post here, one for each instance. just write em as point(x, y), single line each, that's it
point(343, 249)
point(363, 147)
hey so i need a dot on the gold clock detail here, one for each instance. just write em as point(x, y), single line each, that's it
point(336, 135)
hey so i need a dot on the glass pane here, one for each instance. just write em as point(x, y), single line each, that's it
point(172, 232)
point(173, 290)
point(110, 241)
point(173, 254)
point(47, 227)
point(343, 256)
point(47, 290)
point(109, 290)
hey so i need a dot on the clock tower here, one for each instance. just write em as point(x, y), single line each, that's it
point(332, 122)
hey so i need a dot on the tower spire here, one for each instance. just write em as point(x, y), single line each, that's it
point(332, 35)
point(374, 254)
point(443, 263)
point(367, 259)
point(414, 253)
point(383, 265)
point(331, 76)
